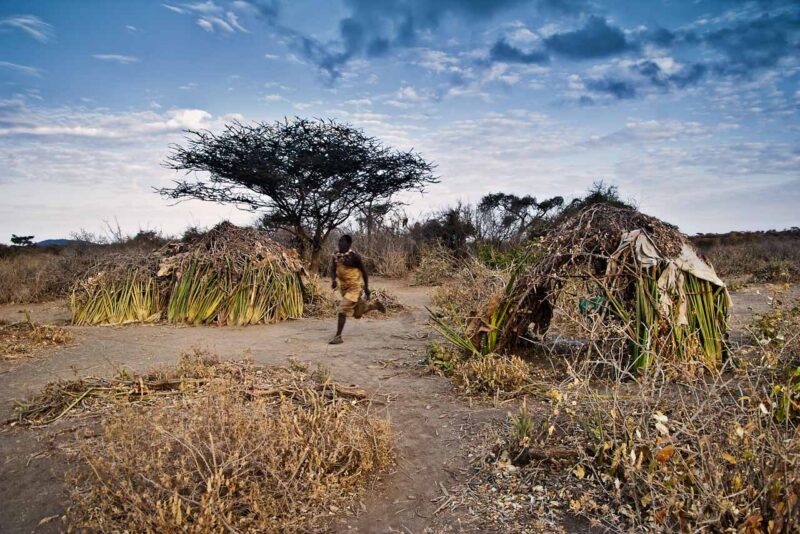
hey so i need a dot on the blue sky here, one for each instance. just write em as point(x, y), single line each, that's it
point(690, 107)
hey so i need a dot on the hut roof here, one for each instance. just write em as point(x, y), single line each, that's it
point(226, 242)
point(597, 230)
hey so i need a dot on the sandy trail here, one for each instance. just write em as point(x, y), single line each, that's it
point(379, 355)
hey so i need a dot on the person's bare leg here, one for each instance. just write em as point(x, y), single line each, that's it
point(337, 339)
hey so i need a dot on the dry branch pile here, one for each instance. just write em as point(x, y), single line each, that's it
point(230, 276)
point(210, 446)
point(23, 338)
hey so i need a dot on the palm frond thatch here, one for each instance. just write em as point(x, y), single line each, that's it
point(229, 276)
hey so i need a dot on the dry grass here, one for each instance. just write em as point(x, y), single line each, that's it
point(662, 453)
point(492, 374)
point(468, 290)
point(23, 338)
point(436, 264)
point(210, 446)
point(758, 257)
point(37, 276)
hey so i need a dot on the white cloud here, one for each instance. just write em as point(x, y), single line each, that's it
point(650, 131)
point(204, 7)
point(19, 120)
point(70, 168)
point(175, 9)
point(358, 102)
point(302, 106)
point(212, 17)
point(23, 69)
point(205, 24)
point(271, 57)
point(30, 24)
point(117, 58)
point(275, 98)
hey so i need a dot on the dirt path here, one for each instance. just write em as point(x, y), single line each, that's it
point(382, 356)
point(378, 355)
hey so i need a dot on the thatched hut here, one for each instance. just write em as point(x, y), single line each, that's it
point(638, 273)
point(228, 276)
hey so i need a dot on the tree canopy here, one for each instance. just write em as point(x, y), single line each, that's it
point(22, 240)
point(306, 176)
point(507, 216)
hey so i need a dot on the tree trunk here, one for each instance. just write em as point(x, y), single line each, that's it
point(314, 260)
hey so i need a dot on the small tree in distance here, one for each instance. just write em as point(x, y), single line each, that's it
point(307, 176)
point(22, 240)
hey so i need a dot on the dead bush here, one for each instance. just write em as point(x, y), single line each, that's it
point(491, 374)
point(759, 256)
point(222, 463)
point(211, 446)
point(436, 264)
point(468, 290)
point(31, 276)
point(24, 338)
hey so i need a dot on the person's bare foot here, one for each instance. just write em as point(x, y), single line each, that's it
point(337, 340)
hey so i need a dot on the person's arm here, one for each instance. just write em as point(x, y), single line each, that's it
point(333, 272)
point(360, 264)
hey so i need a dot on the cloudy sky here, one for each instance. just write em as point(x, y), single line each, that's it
point(690, 107)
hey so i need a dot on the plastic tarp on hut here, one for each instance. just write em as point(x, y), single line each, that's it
point(670, 282)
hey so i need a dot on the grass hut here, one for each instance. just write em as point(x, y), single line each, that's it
point(228, 276)
point(634, 273)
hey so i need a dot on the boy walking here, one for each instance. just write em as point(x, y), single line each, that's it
point(350, 276)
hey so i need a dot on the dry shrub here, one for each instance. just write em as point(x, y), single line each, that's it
point(663, 452)
point(491, 374)
point(211, 446)
point(23, 338)
point(468, 290)
point(221, 463)
point(436, 264)
point(37, 276)
point(760, 256)
point(390, 257)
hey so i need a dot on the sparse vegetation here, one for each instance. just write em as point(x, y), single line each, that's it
point(213, 446)
point(18, 339)
point(772, 256)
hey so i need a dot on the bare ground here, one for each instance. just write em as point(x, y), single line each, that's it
point(382, 356)
point(430, 423)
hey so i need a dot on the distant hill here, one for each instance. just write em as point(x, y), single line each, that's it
point(59, 242)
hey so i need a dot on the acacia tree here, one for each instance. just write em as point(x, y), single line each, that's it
point(22, 240)
point(511, 217)
point(306, 176)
